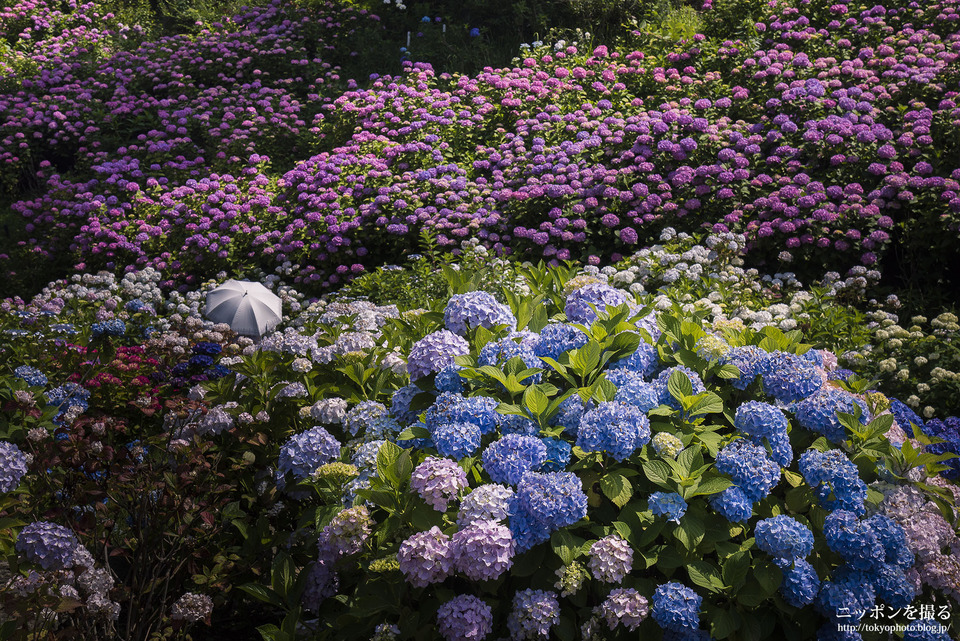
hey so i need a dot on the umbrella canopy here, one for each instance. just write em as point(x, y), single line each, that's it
point(249, 308)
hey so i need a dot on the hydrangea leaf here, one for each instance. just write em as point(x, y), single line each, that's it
point(705, 574)
point(617, 488)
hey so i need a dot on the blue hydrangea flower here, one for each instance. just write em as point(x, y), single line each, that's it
point(370, 419)
point(454, 408)
point(835, 479)
point(578, 303)
point(615, 428)
point(558, 455)
point(790, 378)
point(476, 309)
point(904, 416)
point(854, 540)
point(892, 585)
point(800, 584)
point(631, 389)
point(676, 607)
point(847, 594)
point(527, 531)
point(666, 398)
point(814, 356)
point(818, 413)
point(49, 545)
point(570, 413)
point(516, 424)
point(497, 353)
point(749, 467)
point(553, 499)
point(760, 420)
point(457, 440)
point(305, 452)
point(416, 443)
point(534, 613)
point(840, 374)
point(557, 338)
point(435, 351)
point(668, 504)
point(464, 617)
point(732, 504)
point(508, 459)
point(112, 327)
point(13, 466)
point(784, 537)
point(750, 360)
point(893, 539)
point(32, 376)
point(645, 361)
point(400, 404)
point(448, 379)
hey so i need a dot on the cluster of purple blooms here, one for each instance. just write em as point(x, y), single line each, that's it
point(534, 613)
point(611, 559)
point(581, 303)
point(464, 617)
point(434, 352)
point(438, 481)
point(13, 466)
point(476, 309)
point(303, 453)
point(49, 545)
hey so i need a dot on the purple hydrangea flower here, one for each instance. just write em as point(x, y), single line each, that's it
point(49, 545)
point(426, 557)
point(476, 309)
point(464, 617)
point(438, 481)
point(506, 460)
point(305, 452)
point(611, 559)
point(578, 303)
point(626, 607)
point(534, 613)
point(483, 550)
point(435, 351)
point(13, 466)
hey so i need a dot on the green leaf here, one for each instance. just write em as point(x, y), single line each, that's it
point(282, 574)
point(690, 531)
point(403, 467)
point(270, 632)
point(735, 568)
point(705, 574)
point(387, 457)
point(262, 593)
point(723, 623)
point(706, 403)
point(658, 472)
point(713, 485)
point(617, 488)
point(566, 545)
point(768, 576)
point(412, 432)
point(679, 385)
point(535, 400)
point(728, 371)
point(687, 459)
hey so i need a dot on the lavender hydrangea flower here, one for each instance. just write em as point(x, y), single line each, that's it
point(506, 460)
point(553, 499)
point(483, 550)
point(13, 466)
point(346, 533)
point(784, 537)
point(676, 607)
point(601, 296)
point(534, 613)
point(372, 419)
point(615, 428)
point(464, 617)
point(438, 481)
point(305, 452)
point(435, 351)
point(624, 606)
point(611, 559)
point(668, 504)
point(487, 502)
point(476, 309)
point(426, 557)
point(331, 411)
point(49, 545)
point(322, 583)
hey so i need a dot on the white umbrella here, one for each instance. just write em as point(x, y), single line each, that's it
point(249, 308)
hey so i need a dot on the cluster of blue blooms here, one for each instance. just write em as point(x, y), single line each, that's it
point(506, 460)
point(633, 390)
point(33, 376)
point(783, 537)
point(303, 453)
point(660, 383)
point(749, 467)
point(761, 422)
point(668, 504)
point(615, 428)
point(835, 480)
point(112, 327)
point(557, 338)
point(676, 608)
point(545, 502)
point(750, 360)
point(476, 309)
point(818, 413)
point(49, 545)
point(789, 378)
point(497, 353)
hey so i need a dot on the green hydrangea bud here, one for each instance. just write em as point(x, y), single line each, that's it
point(571, 578)
point(337, 472)
point(384, 565)
point(666, 444)
point(712, 347)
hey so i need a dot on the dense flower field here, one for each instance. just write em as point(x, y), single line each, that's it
point(605, 348)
